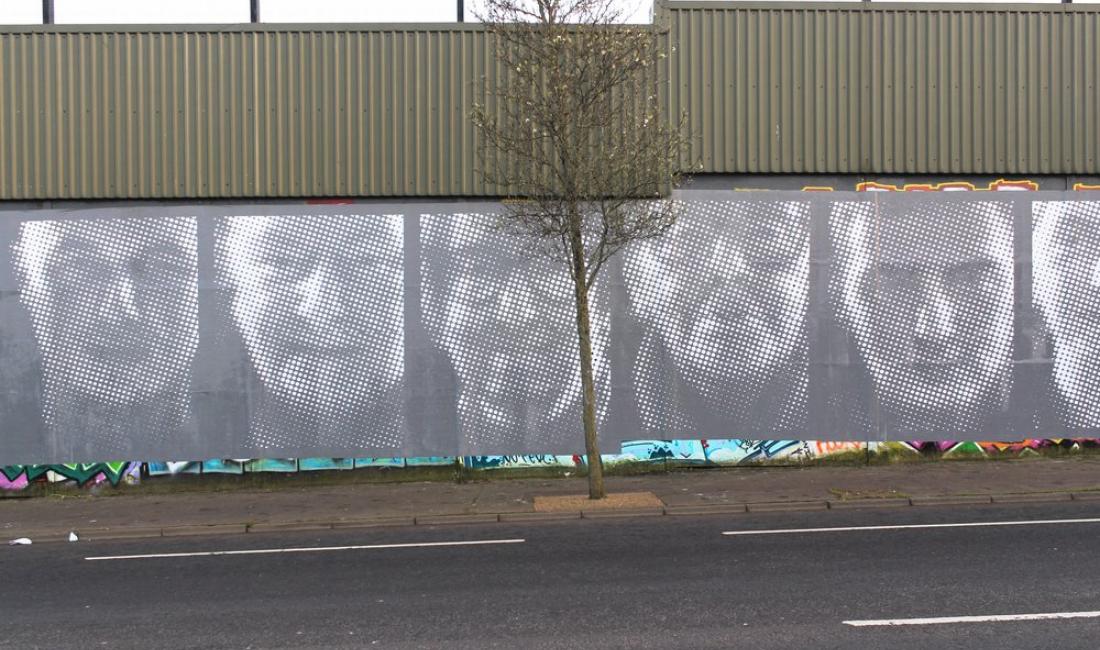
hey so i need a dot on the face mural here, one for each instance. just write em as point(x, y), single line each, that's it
point(926, 293)
point(506, 320)
point(1066, 286)
point(319, 302)
point(114, 307)
point(724, 295)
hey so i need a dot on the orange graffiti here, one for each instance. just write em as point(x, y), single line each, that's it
point(999, 185)
point(1083, 187)
point(827, 447)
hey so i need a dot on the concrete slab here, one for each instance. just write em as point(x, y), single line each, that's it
point(716, 509)
point(951, 500)
point(560, 515)
point(786, 506)
point(1031, 498)
point(286, 526)
point(624, 512)
point(861, 504)
point(433, 520)
point(373, 522)
point(215, 529)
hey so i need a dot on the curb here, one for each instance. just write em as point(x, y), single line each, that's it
point(518, 517)
point(141, 532)
point(434, 520)
point(213, 529)
point(1032, 498)
point(865, 504)
point(374, 522)
point(611, 513)
point(951, 501)
point(288, 526)
point(716, 509)
point(787, 506)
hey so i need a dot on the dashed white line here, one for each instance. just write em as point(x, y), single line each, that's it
point(951, 620)
point(316, 549)
point(974, 524)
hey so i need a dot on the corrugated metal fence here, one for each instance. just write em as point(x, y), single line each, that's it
point(240, 113)
point(889, 88)
point(381, 110)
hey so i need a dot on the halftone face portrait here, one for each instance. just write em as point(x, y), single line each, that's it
point(319, 303)
point(926, 293)
point(1066, 288)
point(722, 297)
point(114, 308)
point(506, 319)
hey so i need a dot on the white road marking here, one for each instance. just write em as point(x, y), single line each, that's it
point(948, 620)
point(974, 524)
point(262, 551)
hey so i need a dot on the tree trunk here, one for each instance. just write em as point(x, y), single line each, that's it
point(588, 384)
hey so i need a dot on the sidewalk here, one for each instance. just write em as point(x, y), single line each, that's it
point(727, 490)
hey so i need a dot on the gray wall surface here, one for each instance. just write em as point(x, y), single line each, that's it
point(224, 331)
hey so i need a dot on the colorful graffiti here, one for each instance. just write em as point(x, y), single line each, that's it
point(999, 185)
point(18, 477)
point(701, 452)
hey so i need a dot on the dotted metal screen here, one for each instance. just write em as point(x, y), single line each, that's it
point(722, 300)
point(506, 320)
point(319, 304)
point(1066, 284)
point(926, 295)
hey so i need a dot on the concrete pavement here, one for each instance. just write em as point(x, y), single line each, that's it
point(289, 506)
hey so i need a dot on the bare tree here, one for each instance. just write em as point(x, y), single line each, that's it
point(575, 139)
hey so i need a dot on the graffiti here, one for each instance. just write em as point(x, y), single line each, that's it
point(1083, 187)
point(18, 477)
point(702, 452)
point(830, 447)
point(510, 462)
point(948, 449)
point(999, 185)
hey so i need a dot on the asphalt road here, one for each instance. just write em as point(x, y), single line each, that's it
point(659, 582)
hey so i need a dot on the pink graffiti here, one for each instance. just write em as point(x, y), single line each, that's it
point(19, 483)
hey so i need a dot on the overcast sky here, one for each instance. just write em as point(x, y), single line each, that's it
point(236, 11)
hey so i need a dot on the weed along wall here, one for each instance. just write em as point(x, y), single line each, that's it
point(395, 334)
